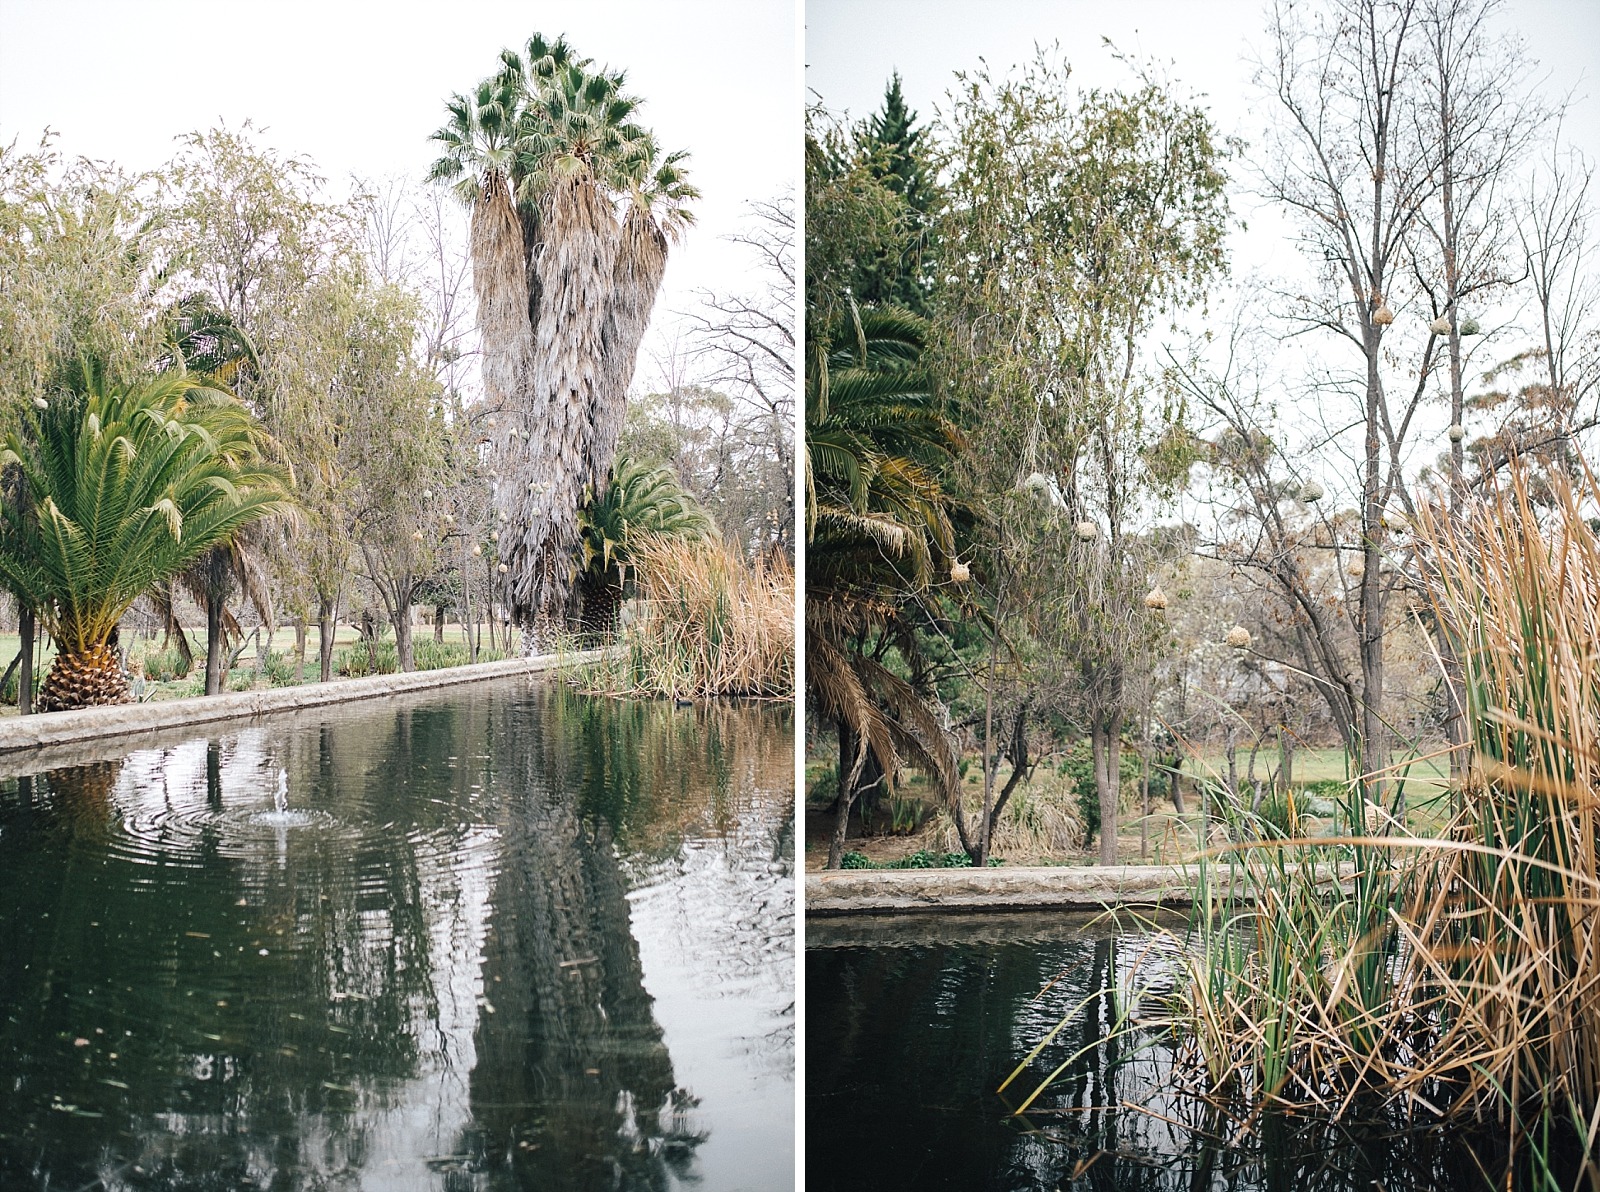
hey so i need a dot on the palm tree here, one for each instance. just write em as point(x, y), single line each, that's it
point(546, 154)
point(658, 213)
point(126, 485)
point(641, 499)
point(880, 536)
point(479, 149)
point(205, 340)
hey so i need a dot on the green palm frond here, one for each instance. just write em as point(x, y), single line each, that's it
point(124, 486)
point(641, 499)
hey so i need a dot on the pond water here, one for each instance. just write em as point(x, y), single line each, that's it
point(500, 937)
point(912, 1023)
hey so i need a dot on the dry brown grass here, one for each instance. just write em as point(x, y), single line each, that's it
point(1458, 977)
point(707, 624)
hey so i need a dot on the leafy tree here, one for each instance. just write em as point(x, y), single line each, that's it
point(126, 485)
point(79, 246)
point(1073, 225)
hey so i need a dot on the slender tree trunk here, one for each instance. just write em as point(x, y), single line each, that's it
point(847, 790)
point(26, 629)
point(404, 653)
point(1144, 791)
point(325, 628)
point(299, 649)
point(214, 611)
point(368, 629)
point(1105, 725)
point(468, 621)
point(438, 623)
point(1372, 742)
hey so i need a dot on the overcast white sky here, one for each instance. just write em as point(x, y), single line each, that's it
point(852, 46)
point(358, 86)
point(1204, 46)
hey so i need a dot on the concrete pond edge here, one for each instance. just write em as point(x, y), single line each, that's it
point(1024, 888)
point(45, 731)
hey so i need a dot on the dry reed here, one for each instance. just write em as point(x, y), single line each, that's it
point(705, 624)
point(1454, 977)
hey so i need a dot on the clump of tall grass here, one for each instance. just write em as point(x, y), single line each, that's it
point(1456, 976)
point(1041, 822)
point(705, 623)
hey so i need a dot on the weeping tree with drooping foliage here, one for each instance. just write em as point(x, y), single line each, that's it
point(126, 484)
point(1076, 225)
point(573, 207)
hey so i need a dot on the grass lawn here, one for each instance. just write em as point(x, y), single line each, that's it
point(1169, 837)
point(1315, 765)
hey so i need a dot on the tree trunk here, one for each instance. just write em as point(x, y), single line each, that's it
point(401, 620)
point(847, 792)
point(26, 629)
point(1107, 748)
point(214, 672)
point(93, 678)
point(299, 649)
point(368, 630)
point(438, 623)
point(325, 629)
point(468, 621)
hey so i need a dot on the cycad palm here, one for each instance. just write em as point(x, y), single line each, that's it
point(126, 485)
point(641, 499)
point(585, 283)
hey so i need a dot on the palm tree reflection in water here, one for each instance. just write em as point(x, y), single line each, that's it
point(437, 985)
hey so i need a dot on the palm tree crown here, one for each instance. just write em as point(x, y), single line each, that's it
point(124, 485)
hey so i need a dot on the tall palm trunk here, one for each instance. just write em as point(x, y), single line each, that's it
point(501, 283)
point(542, 490)
point(641, 264)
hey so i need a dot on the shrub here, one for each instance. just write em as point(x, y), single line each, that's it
point(164, 666)
point(825, 789)
point(282, 670)
point(355, 662)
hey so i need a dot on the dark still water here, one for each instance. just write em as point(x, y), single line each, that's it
point(913, 1022)
point(502, 937)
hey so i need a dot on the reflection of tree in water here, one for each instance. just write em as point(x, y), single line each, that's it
point(242, 1005)
point(700, 801)
point(468, 858)
point(906, 1045)
point(573, 1080)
